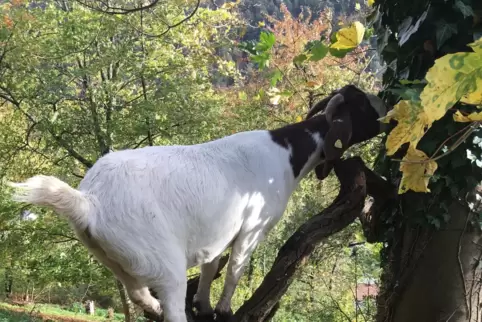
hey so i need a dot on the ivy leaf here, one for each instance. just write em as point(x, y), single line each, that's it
point(472, 117)
point(444, 32)
point(349, 37)
point(318, 51)
point(416, 176)
point(465, 9)
point(412, 122)
point(406, 29)
point(409, 82)
point(453, 77)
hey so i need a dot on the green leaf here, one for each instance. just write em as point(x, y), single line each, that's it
point(242, 96)
point(318, 51)
point(266, 41)
point(298, 60)
point(357, 6)
point(409, 82)
point(444, 32)
point(465, 9)
point(275, 78)
point(248, 46)
point(339, 53)
point(261, 59)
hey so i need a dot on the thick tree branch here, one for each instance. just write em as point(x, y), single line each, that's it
point(296, 251)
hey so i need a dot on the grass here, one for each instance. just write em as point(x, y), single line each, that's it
point(12, 313)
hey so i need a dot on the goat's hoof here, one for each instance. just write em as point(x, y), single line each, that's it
point(202, 310)
point(154, 317)
point(224, 316)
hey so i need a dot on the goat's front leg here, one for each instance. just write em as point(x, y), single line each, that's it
point(202, 298)
point(242, 249)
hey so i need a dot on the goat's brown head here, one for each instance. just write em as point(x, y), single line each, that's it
point(352, 116)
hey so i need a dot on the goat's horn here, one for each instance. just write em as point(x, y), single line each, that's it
point(320, 106)
point(332, 105)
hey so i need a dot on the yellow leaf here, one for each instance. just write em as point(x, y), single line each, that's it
point(230, 5)
point(453, 77)
point(412, 122)
point(473, 117)
point(474, 98)
point(350, 37)
point(477, 45)
point(416, 175)
point(371, 2)
point(299, 118)
point(261, 24)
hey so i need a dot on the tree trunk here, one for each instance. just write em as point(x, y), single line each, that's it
point(8, 282)
point(127, 305)
point(434, 275)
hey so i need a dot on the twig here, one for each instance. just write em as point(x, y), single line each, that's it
point(468, 131)
point(461, 269)
point(117, 10)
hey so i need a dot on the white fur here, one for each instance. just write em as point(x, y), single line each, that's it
point(151, 213)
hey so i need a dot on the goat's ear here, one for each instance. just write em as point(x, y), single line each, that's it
point(338, 137)
point(335, 142)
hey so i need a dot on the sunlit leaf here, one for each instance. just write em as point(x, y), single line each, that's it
point(349, 37)
point(370, 2)
point(412, 122)
point(472, 117)
point(453, 77)
point(416, 176)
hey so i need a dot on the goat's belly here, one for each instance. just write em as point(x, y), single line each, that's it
point(212, 242)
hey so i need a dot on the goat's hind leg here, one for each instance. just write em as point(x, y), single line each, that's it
point(202, 298)
point(242, 249)
point(137, 292)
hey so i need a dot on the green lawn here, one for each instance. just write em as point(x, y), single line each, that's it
point(10, 313)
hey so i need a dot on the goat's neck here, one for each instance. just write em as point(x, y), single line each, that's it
point(304, 141)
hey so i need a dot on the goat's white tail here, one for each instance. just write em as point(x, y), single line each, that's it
point(49, 191)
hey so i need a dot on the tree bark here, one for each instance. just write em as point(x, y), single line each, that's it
point(127, 305)
point(434, 275)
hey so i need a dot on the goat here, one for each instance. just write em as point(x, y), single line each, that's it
point(151, 213)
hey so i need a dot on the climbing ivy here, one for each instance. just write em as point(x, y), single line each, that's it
point(431, 50)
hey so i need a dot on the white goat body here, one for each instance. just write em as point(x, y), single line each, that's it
point(149, 214)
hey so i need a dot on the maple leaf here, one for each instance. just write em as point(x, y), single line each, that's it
point(416, 176)
point(412, 124)
point(349, 37)
point(452, 78)
point(473, 117)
